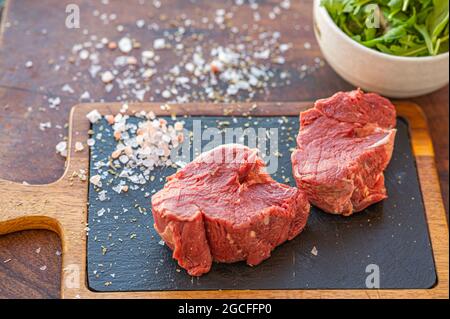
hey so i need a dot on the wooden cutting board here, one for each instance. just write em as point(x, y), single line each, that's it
point(62, 207)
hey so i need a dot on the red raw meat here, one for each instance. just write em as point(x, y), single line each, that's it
point(224, 207)
point(344, 145)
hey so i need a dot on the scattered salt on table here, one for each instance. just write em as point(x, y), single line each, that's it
point(125, 45)
point(94, 116)
point(107, 77)
point(159, 44)
point(79, 147)
point(61, 148)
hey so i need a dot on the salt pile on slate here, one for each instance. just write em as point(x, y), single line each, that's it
point(140, 148)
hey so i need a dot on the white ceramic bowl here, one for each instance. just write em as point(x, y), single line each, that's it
point(392, 76)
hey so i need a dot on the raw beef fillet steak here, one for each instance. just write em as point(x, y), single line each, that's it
point(344, 145)
point(224, 207)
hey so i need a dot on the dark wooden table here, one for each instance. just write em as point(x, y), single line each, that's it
point(29, 260)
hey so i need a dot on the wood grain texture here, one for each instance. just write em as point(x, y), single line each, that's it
point(39, 261)
point(435, 107)
point(27, 154)
point(61, 206)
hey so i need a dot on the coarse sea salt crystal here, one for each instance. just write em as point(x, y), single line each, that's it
point(125, 45)
point(85, 96)
point(61, 148)
point(96, 180)
point(140, 23)
point(285, 4)
point(147, 74)
point(262, 55)
point(43, 126)
point(284, 47)
point(124, 159)
point(159, 44)
point(147, 55)
point(190, 67)
point(102, 196)
point(253, 81)
point(182, 80)
point(166, 94)
point(175, 70)
point(94, 116)
point(107, 77)
point(94, 69)
point(109, 87)
point(54, 102)
point(131, 60)
point(90, 142)
point(84, 54)
point(67, 88)
point(280, 60)
point(220, 12)
point(120, 188)
point(139, 94)
point(101, 212)
point(178, 126)
point(232, 90)
point(79, 147)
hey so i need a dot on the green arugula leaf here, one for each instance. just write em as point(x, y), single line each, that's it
point(438, 19)
point(424, 32)
point(398, 27)
point(389, 36)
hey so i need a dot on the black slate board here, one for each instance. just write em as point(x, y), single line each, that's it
point(125, 253)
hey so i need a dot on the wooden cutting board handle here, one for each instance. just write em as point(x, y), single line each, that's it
point(60, 207)
point(54, 206)
point(25, 207)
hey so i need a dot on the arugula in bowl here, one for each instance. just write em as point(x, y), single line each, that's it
point(410, 28)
